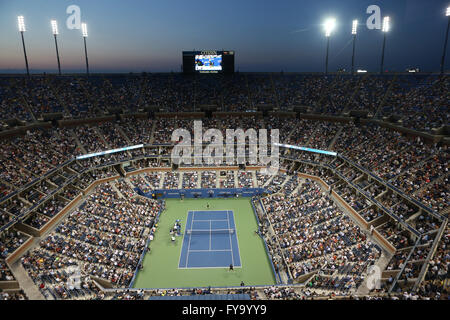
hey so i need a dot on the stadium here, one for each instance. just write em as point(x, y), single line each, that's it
point(96, 205)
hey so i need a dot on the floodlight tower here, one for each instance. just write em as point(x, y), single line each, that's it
point(55, 33)
point(385, 30)
point(447, 14)
point(329, 25)
point(85, 34)
point(21, 22)
point(354, 29)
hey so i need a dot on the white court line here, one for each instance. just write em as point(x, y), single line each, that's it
point(209, 267)
point(184, 237)
point(237, 239)
point(189, 244)
point(210, 235)
point(215, 211)
point(210, 250)
point(229, 236)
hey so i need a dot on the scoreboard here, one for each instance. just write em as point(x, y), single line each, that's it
point(208, 61)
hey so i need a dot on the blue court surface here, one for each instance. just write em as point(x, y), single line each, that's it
point(210, 241)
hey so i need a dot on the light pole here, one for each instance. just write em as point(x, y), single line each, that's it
point(329, 27)
point(85, 34)
point(55, 33)
point(447, 14)
point(21, 22)
point(354, 28)
point(385, 30)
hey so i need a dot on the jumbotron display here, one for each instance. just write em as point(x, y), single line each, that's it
point(210, 61)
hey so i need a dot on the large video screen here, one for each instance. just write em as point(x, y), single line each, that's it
point(208, 62)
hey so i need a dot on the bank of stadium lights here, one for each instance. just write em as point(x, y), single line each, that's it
point(329, 25)
point(385, 29)
point(85, 35)
point(354, 31)
point(447, 14)
point(55, 32)
point(21, 24)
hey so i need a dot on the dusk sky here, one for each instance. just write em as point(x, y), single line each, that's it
point(138, 35)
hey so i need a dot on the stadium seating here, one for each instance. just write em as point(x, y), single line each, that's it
point(391, 173)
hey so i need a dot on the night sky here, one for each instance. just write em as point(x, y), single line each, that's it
point(138, 35)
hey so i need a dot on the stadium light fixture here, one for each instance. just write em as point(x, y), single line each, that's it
point(386, 24)
point(329, 26)
point(84, 30)
point(385, 30)
point(85, 34)
point(354, 26)
point(55, 33)
point(21, 23)
point(54, 27)
point(447, 14)
point(354, 31)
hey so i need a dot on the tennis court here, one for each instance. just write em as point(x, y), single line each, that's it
point(210, 240)
point(161, 263)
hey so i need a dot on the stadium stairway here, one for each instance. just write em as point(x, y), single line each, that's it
point(346, 110)
point(325, 93)
point(123, 134)
point(128, 182)
point(101, 136)
point(161, 181)
point(113, 186)
point(254, 179)
point(79, 144)
point(336, 136)
point(261, 293)
point(236, 180)
point(382, 263)
point(199, 180)
point(286, 180)
point(269, 181)
point(295, 191)
point(152, 134)
point(217, 179)
point(27, 107)
point(56, 93)
point(386, 95)
point(25, 282)
point(446, 212)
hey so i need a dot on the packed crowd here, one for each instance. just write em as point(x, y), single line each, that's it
point(315, 236)
point(417, 167)
point(104, 238)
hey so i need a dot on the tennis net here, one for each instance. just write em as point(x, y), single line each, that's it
point(208, 231)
